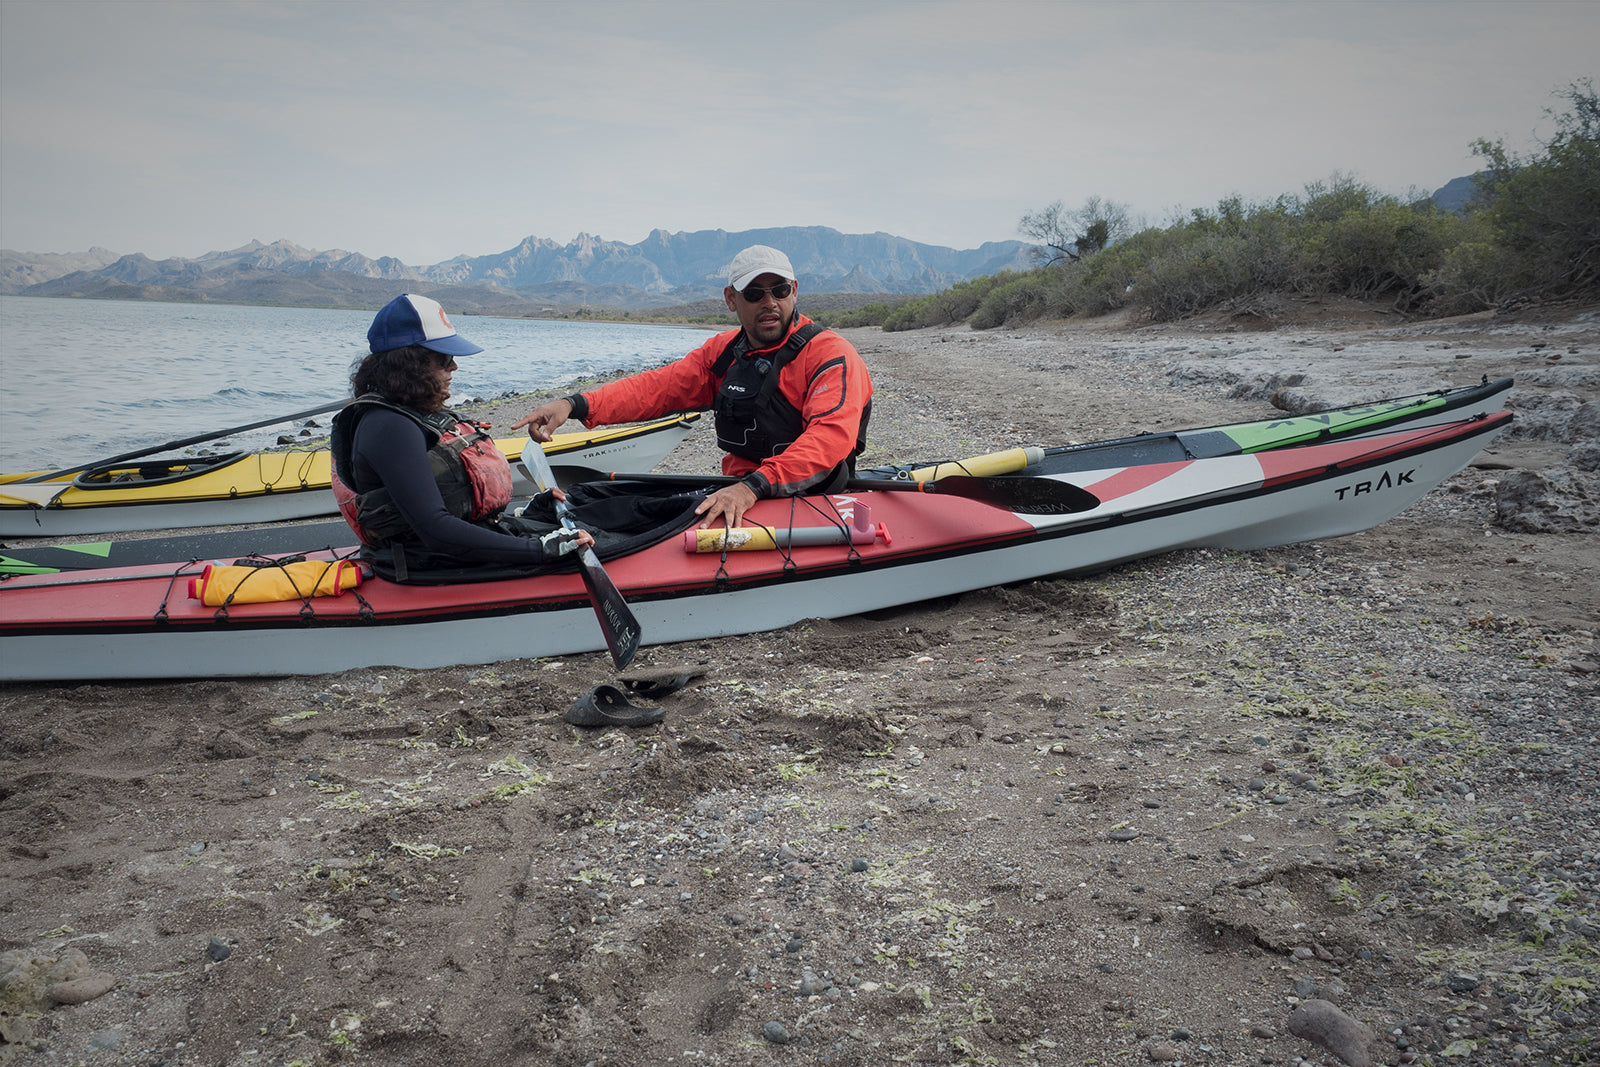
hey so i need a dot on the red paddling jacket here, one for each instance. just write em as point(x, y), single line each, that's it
point(791, 418)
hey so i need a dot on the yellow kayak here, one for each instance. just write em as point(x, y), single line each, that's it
point(254, 487)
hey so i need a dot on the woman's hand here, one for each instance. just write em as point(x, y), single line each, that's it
point(563, 542)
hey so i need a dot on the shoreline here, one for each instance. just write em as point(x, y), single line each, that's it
point(1203, 788)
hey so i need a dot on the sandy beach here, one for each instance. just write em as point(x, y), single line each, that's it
point(1330, 803)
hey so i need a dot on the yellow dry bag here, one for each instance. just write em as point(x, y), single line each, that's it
point(302, 580)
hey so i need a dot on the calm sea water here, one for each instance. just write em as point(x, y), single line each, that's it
point(87, 379)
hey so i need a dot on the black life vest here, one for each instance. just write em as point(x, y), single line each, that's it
point(754, 420)
point(474, 477)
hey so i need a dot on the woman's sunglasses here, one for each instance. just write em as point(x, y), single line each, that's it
point(755, 294)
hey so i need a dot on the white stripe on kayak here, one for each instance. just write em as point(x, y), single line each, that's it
point(38, 494)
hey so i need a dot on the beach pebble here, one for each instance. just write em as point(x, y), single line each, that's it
point(1323, 1024)
point(106, 1040)
point(227, 744)
point(774, 1033)
point(26, 978)
point(15, 1030)
point(82, 990)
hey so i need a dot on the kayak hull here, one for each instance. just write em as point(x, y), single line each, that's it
point(264, 487)
point(1352, 422)
point(136, 622)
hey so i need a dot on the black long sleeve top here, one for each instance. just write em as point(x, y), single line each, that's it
point(390, 451)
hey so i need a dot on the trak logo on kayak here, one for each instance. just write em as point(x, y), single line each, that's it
point(1388, 481)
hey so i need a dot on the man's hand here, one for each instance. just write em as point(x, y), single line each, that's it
point(543, 421)
point(726, 506)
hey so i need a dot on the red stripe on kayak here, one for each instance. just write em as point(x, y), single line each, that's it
point(1293, 464)
point(1133, 479)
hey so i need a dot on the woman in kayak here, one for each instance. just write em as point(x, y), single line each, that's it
point(415, 483)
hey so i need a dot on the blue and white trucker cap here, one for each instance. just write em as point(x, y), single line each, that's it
point(417, 320)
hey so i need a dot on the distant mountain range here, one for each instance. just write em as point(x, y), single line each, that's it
point(538, 275)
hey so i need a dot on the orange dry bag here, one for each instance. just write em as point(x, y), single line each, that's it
point(221, 585)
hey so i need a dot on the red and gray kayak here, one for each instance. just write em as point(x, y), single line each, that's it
point(140, 622)
point(1288, 431)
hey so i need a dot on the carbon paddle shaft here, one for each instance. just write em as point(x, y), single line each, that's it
point(185, 442)
point(617, 621)
point(1023, 495)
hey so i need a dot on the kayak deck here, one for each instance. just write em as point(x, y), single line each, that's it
point(256, 487)
point(1174, 446)
point(139, 622)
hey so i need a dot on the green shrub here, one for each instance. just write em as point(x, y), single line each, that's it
point(1534, 231)
point(1359, 243)
point(867, 315)
point(948, 307)
point(1020, 300)
point(1473, 276)
point(1546, 210)
point(907, 316)
point(961, 300)
point(1099, 284)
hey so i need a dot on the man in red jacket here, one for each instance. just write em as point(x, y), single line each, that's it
point(791, 400)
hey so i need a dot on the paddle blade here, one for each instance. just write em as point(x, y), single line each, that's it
point(618, 624)
point(1025, 496)
point(567, 475)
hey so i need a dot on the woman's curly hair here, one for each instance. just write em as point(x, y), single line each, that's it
point(407, 376)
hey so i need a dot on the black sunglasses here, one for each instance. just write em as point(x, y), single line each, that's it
point(755, 294)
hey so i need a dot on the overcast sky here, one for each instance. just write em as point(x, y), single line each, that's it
point(428, 130)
